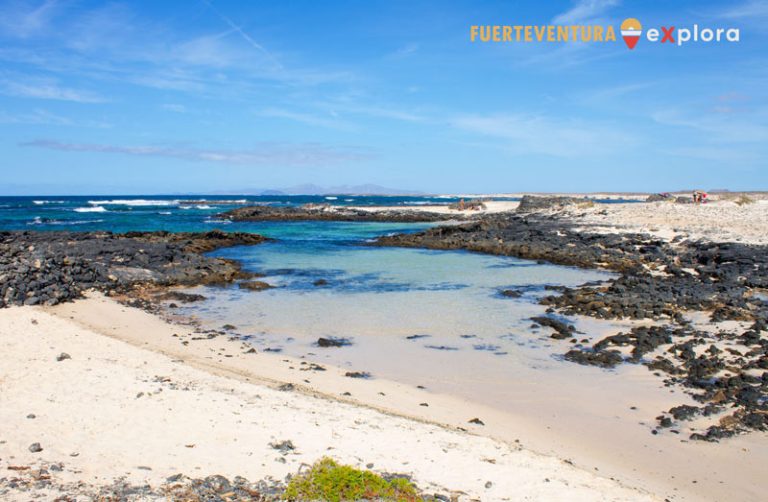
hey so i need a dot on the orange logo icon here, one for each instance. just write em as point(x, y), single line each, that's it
point(631, 29)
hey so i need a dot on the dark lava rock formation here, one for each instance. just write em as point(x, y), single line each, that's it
point(325, 212)
point(47, 268)
point(531, 203)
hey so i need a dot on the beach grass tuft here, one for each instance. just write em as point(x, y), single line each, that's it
point(744, 199)
point(328, 480)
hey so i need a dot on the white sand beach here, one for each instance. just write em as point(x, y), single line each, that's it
point(718, 220)
point(144, 408)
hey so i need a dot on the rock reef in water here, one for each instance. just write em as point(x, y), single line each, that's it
point(48, 268)
point(325, 212)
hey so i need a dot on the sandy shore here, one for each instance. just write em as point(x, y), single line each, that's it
point(717, 221)
point(133, 402)
point(133, 395)
point(491, 207)
point(720, 221)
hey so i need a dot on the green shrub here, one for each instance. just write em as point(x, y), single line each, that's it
point(326, 480)
point(744, 199)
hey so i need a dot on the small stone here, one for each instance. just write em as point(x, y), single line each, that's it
point(476, 421)
point(283, 446)
point(31, 415)
point(35, 448)
point(357, 374)
point(63, 356)
point(488, 484)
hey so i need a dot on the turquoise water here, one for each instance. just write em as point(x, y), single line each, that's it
point(171, 213)
point(450, 297)
point(379, 298)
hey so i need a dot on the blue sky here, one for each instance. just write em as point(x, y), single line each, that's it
point(199, 96)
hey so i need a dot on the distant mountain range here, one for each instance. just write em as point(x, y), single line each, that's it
point(310, 189)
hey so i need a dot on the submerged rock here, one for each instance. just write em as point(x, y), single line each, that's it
point(562, 329)
point(333, 342)
point(254, 285)
point(603, 358)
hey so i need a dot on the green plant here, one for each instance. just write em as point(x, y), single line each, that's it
point(328, 481)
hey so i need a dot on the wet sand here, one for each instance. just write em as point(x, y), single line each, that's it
point(586, 419)
point(133, 402)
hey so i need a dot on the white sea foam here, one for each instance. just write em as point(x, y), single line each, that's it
point(331, 198)
point(39, 221)
point(94, 209)
point(74, 222)
point(203, 206)
point(134, 202)
point(215, 221)
point(164, 212)
point(41, 202)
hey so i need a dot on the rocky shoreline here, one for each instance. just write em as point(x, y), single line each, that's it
point(47, 268)
point(326, 212)
point(658, 281)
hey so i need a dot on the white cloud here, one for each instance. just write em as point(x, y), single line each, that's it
point(24, 20)
point(272, 154)
point(405, 51)
point(41, 89)
point(584, 10)
point(718, 127)
point(37, 117)
point(173, 107)
point(751, 10)
point(558, 137)
point(245, 36)
point(330, 122)
point(733, 157)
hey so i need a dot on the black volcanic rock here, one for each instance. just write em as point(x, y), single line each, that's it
point(51, 267)
point(325, 212)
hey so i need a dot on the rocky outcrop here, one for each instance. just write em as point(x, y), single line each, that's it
point(532, 203)
point(51, 267)
point(324, 212)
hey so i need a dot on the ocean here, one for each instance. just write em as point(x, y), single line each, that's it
point(173, 213)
